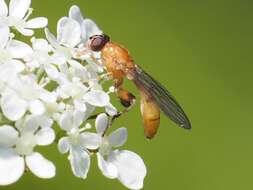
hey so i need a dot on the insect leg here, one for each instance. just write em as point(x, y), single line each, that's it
point(127, 99)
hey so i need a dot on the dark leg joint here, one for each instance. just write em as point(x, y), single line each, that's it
point(126, 98)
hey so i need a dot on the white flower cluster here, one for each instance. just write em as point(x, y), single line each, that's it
point(46, 89)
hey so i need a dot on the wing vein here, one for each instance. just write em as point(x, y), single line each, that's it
point(162, 97)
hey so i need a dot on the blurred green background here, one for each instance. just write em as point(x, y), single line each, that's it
point(202, 52)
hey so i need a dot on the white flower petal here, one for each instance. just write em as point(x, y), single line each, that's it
point(79, 70)
point(42, 121)
point(107, 168)
point(68, 32)
point(89, 28)
point(89, 110)
point(66, 122)
point(8, 136)
point(25, 32)
point(19, 49)
point(80, 162)
point(97, 98)
point(17, 65)
point(63, 145)
point(94, 85)
point(93, 67)
point(51, 38)
point(90, 140)
point(3, 8)
point(63, 67)
point(12, 166)
point(39, 22)
point(51, 71)
point(110, 109)
point(45, 121)
point(25, 143)
point(13, 107)
point(101, 123)
point(75, 13)
point(36, 107)
point(18, 8)
point(78, 118)
point(40, 166)
point(45, 136)
point(118, 137)
point(131, 168)
point(75, 64)
point(80, 106)
point(4, 37)
point(48, 97)
point(40, 44)
point(28, 124)
point(8, 70)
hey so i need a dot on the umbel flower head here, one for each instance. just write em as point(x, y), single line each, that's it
point(17, 151)
point(46, 90)
point(17, 16)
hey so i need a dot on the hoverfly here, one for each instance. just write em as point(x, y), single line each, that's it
point(154, 97)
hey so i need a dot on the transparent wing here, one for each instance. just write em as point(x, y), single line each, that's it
point(162, 97)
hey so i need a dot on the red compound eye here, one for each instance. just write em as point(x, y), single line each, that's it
point(98, 42)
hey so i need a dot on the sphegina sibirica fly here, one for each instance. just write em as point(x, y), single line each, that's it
point(154, 97)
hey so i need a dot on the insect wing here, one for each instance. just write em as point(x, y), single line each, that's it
point(161, 96)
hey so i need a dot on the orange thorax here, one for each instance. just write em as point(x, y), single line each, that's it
point(117, 60)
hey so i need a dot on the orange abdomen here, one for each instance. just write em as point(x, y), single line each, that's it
point(150, 116)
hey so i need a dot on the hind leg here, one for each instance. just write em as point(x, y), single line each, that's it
point(127, 99)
